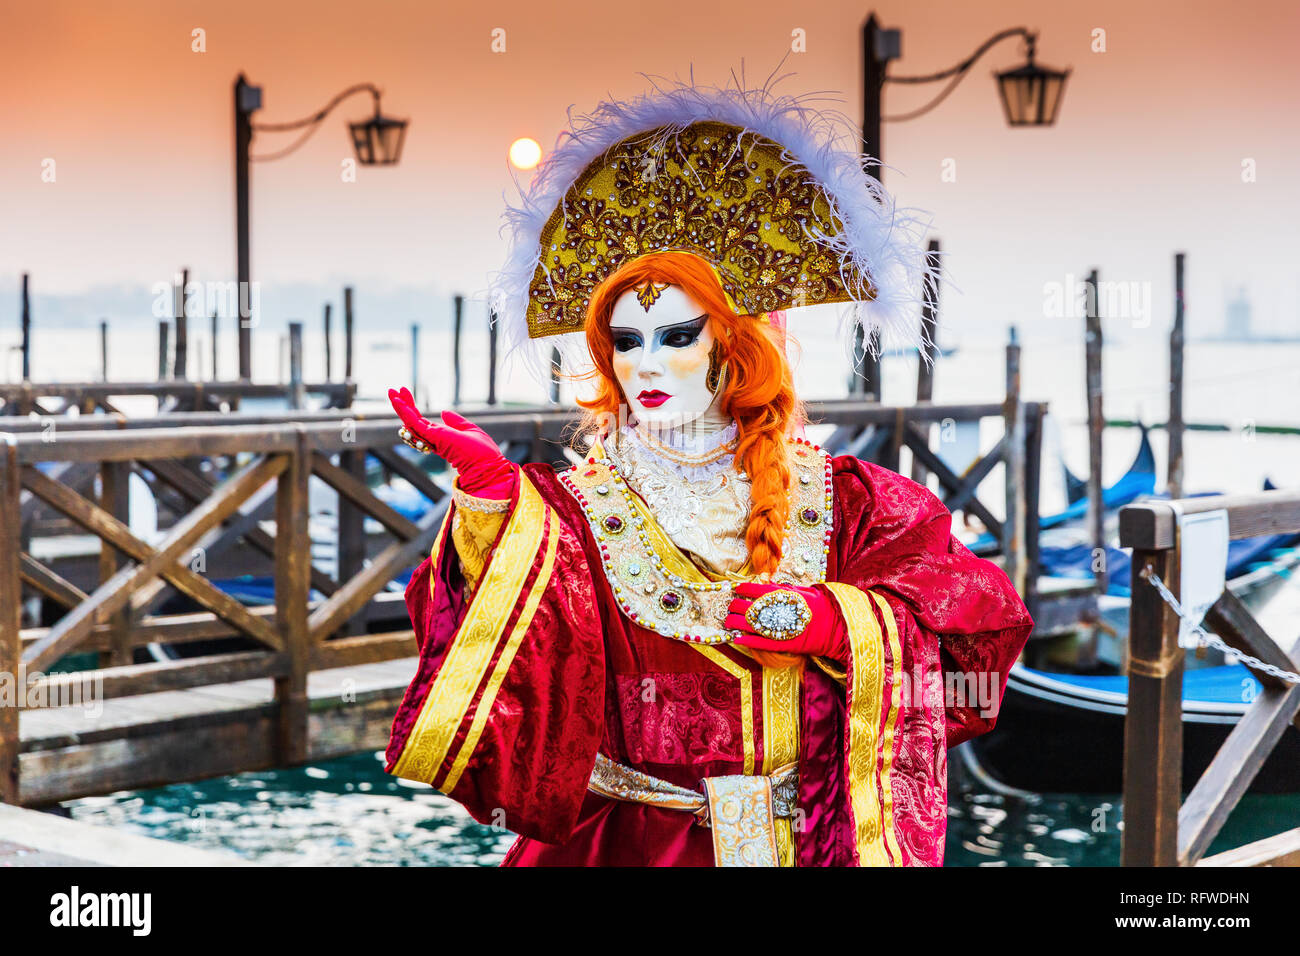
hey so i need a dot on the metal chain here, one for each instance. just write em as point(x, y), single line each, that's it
point(1213, 640)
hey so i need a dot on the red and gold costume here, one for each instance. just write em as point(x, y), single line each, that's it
point(527, 676)
point(578, 682)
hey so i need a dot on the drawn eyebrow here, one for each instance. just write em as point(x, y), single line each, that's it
point(690, 324)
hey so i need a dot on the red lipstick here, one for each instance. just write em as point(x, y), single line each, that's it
point(653, 398)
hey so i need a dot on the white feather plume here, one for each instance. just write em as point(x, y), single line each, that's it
point(878, 241)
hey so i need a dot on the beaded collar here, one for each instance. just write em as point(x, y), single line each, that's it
point(656, 585)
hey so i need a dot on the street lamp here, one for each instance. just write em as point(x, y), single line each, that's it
point(1031, 96)
point(377, 141)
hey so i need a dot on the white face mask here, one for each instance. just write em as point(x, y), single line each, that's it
point(661, 356)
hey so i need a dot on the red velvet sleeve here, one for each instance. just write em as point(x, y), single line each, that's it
point(894, 536)
point(506, 709)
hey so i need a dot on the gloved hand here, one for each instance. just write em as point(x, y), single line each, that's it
point(481, 469)
point(825, 634)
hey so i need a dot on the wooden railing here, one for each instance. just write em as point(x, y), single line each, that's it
point(1160, 828)
point(79, 470)
point(173, 394)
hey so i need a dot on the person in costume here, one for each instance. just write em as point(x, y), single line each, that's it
point(710, 642)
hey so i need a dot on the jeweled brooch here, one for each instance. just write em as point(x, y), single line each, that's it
point(779, 615)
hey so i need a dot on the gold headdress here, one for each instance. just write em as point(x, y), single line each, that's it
point(759, 186)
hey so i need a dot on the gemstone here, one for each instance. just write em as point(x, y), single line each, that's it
point(670, 601)
point(602, 489)
point(634, 569)
point(810, 516)
point(613, 524)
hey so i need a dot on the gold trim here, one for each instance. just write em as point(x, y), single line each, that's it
point(475, 641)
point(746, 678)
point(522, 623)
point(740, 815)
point(891, 721)
point(864, 701)
point(781, 713)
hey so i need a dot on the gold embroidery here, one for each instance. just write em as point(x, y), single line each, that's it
point(475, 641)
point(888, 741)
point(656, 585)
point(781, 715)
point(864, 719)
point(735, 199)
point(522, 623)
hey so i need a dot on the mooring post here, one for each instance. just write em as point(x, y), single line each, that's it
point(103, 350)
point(214, 345)
point(11, 603)
point(292, 584)
point(164, 348)
point(297, 391)
point(929, 348)
point(492, 357)
point(1013, 416)
point(182, 328)
point(556, 371)
point(1096, 422)
point(329, 364)
point(27, 331)
point(347, 333)
point(114, 498)
point(1153, 725)
point(457, 307)
point(1174, 476)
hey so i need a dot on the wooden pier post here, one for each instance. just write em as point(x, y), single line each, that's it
point(929, 348)
point(556, 371)
point(347, 333)
point(292, 586)
point(103, 350)
point(1176, 426)
point(492, 357)
point(1013, 527)
point(215, 376)
point(329, 358)
point(114, 497)
point(415, 362)
point(297, 391)
point(457, 308)
point(11, 602)
point(164, 349)
point(27, 331)
point(1096, 422)
point(182, 329)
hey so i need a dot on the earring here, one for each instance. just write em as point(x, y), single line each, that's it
point(717, 374)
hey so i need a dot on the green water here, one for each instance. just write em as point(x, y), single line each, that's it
point(348, 812)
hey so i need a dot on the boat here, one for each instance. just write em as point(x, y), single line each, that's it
point(1064, 733)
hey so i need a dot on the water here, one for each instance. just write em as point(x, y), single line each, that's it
point(348, 812)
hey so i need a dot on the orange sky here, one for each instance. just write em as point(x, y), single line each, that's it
point(1146, 158)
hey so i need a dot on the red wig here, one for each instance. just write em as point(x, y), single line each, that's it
point(757, 391)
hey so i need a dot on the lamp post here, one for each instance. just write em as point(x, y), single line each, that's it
point(377, 141)
point(1030, 94)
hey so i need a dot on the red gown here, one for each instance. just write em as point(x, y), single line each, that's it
point(520, 684)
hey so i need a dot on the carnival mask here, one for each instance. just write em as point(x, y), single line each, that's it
point(662, 345)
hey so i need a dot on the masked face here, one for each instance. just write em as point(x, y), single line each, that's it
point(661, 355)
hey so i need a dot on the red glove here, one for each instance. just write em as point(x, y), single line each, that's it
point(482, 471)
point(825, 634)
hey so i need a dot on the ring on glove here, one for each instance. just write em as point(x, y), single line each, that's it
point(418, 444)
point(779, 615)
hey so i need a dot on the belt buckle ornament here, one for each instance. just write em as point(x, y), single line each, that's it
point(779, 615)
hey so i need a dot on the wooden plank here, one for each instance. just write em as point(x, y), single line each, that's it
point(1232, 621)
point(412, 472)
point(114, 491)
point(1283, 849)
point(1153, 728)
point(139, 679)
point(366, 649)
point(948, 479)
point(356, 492)
point(1233, 768)
point(115, 592)
point(52, 585)
point(1150, 525)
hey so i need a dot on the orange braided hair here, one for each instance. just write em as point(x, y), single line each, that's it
point(758, 392)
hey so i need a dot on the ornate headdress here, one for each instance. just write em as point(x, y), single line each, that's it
point(762, 187)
